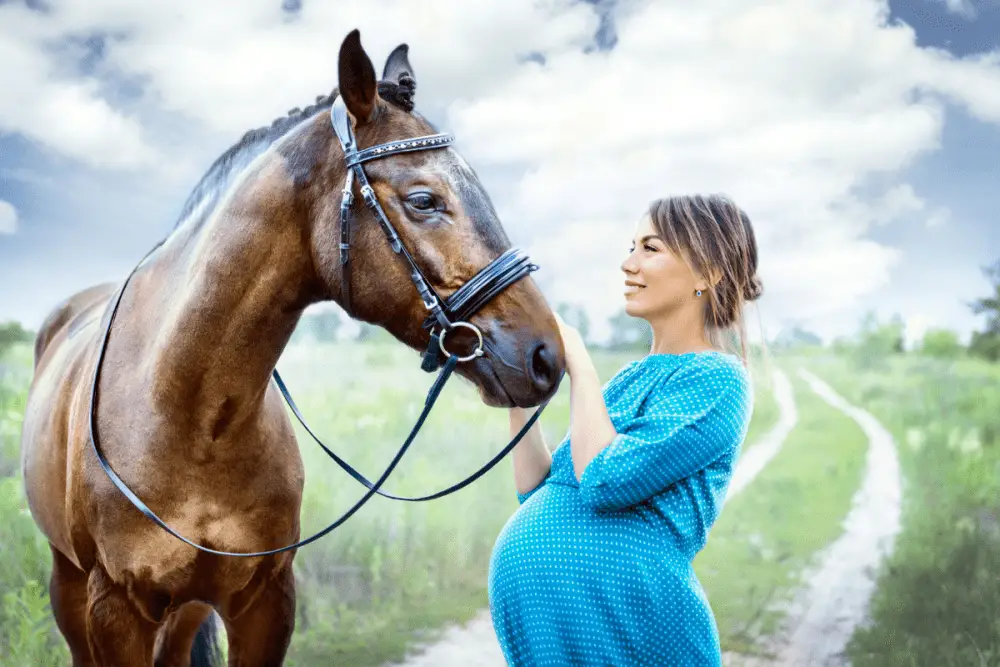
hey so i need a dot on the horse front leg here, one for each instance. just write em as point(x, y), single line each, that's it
point(259, 636)
point(119, 635)
point(68, 598)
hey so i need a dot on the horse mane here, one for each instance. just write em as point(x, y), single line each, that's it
point(217, 179)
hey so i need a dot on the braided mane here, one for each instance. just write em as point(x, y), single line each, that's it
point(207, 192)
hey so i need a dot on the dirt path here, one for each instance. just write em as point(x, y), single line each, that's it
point(758, 456)
point(834, 601)
point(472, 645)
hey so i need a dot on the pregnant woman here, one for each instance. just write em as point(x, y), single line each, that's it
point(595, 566)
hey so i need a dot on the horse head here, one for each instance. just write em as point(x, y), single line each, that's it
point(444, 218)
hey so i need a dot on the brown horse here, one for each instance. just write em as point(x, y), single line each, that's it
point(187, 413)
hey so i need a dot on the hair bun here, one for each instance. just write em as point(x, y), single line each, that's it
point(754, 288)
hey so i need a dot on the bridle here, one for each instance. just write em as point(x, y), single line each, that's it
point(448, 314)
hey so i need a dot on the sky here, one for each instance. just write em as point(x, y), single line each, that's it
point(861, 137)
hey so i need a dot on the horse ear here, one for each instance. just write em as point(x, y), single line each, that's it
point(397, 65)
point(357, 78)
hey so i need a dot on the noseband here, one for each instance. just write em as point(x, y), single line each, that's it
point(448, 314)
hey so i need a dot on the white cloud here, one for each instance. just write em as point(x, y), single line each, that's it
point(67, 115)
point(792, 108)
point(938, 217)
point(961, 7)
point(8, 218)
point(232, 63)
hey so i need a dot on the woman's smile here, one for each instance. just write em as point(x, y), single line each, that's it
point(632, 287)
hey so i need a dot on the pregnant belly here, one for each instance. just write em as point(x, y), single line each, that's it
point(561, 570)
point(554, 540)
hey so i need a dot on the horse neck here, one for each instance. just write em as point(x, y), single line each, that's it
point(229, 295)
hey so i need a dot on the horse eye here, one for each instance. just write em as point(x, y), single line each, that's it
point(421, 201)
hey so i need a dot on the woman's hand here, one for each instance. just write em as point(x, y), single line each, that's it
point(591, 429)
point(576, 349)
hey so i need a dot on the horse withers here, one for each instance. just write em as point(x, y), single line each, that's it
point(185, 407)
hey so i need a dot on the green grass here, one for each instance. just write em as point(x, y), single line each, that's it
point(765, 406)
point(28, 634)
point(396, 572)
point(937, 603)
point(415, 566)
point(767, 536)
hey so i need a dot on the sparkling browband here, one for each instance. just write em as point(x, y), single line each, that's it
point(403, 146)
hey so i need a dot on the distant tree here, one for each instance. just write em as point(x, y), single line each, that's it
point(940, 343)
point(986, 343)
point(318, 326)
point(374, 334)
point(575, 316)
point(882, 338)
point(366, 331)
point(877, 341)
point(325, 325)
point(11, 333)
point(629, 332)
point(843, 345)
point(796, 337)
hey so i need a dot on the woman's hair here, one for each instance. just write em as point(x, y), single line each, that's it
point(715, 236)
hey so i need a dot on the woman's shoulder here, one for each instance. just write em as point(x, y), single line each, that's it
point(706, 367)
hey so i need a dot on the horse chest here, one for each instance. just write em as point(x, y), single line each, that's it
point(165, 564)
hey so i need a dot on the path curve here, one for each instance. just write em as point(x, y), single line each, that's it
point(757, 457)
point(834, 602)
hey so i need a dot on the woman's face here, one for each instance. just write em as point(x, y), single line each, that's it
point(657, 282)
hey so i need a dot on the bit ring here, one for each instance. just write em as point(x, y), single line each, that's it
point(478, 351)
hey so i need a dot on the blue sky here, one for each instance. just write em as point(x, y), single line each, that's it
point(865, 154)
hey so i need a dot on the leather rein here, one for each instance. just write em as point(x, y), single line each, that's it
point(445, 315)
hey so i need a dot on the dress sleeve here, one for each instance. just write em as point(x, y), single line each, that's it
point(522, 497)
point(698, 415)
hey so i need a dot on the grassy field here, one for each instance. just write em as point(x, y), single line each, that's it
point(765, 407)
point(937, 602)
point(27, 632)
point(397, 572)
point(393, 574)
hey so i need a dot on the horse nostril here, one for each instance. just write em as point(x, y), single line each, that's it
point(542, 367)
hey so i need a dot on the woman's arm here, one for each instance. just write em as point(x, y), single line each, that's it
point(591, 429)
point(532, 459)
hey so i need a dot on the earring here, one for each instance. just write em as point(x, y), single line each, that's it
point(697, 293)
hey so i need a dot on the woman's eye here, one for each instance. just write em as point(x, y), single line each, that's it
point(421, 201)
point(650, 248)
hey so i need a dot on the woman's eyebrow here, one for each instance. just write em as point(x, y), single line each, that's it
point(649, 236)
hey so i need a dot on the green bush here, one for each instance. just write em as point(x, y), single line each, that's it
point(942, 344)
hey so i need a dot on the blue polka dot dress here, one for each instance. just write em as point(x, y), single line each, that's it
point(598, 571)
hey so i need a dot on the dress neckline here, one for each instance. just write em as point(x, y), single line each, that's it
point(681, 355)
